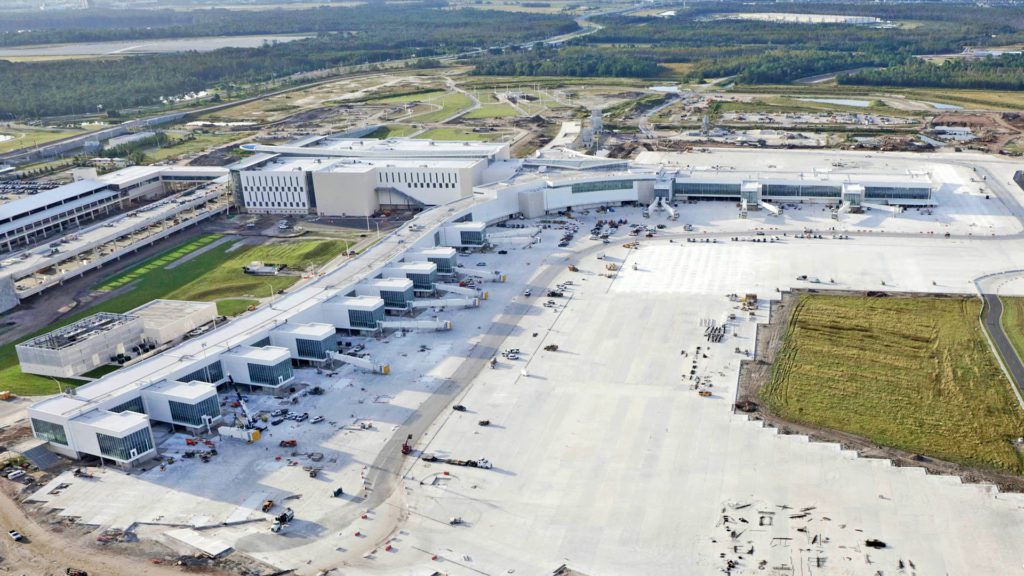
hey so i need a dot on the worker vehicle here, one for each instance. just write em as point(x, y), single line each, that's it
point(288, 443)
point(481, 264)
point(484, 422)
point(80, 473)
point(267, 505)
point(459, 408)
point(282, 519)
point(15, 535)
point(276, 421)
point(502, 251)
point(555, 294)
point(527, 293)
point(75, 572)
point(455, 520)
point(317, 420)
point(338, 492)
point(280, 412)
point(551, 347)
point(302, 417)
point(407, 445)
point(494, 362)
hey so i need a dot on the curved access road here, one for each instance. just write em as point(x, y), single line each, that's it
point(992, 315)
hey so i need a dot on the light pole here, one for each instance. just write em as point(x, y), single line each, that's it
point(271, 286)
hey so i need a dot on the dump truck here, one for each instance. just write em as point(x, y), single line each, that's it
point(282, 519)
point(267, 505)
point(573, 268)
point(288, 443)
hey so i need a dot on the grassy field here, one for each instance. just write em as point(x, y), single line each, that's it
point(200, 142)
point(450, 103)
point(158, 263)
point(491, 111)
point(912, 373)
point(461, 134)
point(1013, 322)
point(24, 136)
point(214, 275)
point(221, 272)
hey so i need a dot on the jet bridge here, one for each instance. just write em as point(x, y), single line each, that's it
point(410, 324)
point(366, 363)
point(446, 302)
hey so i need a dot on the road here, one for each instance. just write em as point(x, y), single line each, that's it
point(992, 320)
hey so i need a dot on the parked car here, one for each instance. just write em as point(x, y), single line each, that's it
point(481, 263)
point(276, 421)
point(15, 535)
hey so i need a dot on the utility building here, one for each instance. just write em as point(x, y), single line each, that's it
point(82, 346)
point(267, 367)
point(469, 235)
point(422, 274)
point(309, 342)
point(446, 259)
point(397, 293)
point(356, 314)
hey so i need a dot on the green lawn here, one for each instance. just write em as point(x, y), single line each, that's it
point(25, 136)
point(491, 111)
point(200, 142)
point(159, 262)
point(451, 103)
point(912, 373)
point(461, 134)
point(217, 274)
point(214, 275)
point(1013, 322)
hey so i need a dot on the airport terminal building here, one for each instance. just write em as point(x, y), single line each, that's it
point(355, 177)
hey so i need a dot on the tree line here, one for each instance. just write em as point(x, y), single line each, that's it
point(402, 31)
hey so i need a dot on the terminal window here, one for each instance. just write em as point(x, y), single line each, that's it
point(706, 189)
point(193, 413)
point(316, 348)
point(133, 405)
point(50, 431)
point(270, 375)
point(584, 187)
point(127, 448)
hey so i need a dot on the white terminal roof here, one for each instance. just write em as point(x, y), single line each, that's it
point(190, 391)
point(421, 267)
point(20, 206)
point(440, 251)
point(314, 330)
point(267, 354)
point(360, 302)
point(115, 422)
point(167, 311)
point(385, 283)
point(321, 164)
point(477, 226)
point(397, 148)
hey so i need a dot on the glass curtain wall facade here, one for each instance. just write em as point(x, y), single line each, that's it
point(802, 191)
point(50, 432)
point(192, 414)
point(706, 189)
point(133, 405)
point(271, 375)
point(209, 374)
point(127, 448)
point(471, 238)
point(444, 265)
point(316, 348)
point(584, 187)
point(422, 281)
point(365, 319)
point(395, 299)
point(896, 193)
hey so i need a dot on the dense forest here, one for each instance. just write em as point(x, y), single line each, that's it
point(572, 61)
point(757, 52)
point(78, 86)
point(999, 73)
